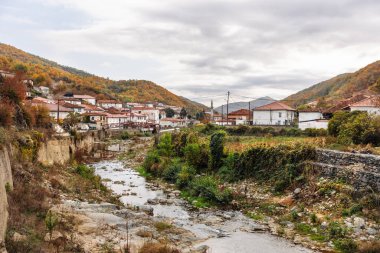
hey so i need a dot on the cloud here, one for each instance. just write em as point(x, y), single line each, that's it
point(251, 47)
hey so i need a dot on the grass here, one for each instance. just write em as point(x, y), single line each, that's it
point(162, 226)
point(255, 216)
point(242, 143)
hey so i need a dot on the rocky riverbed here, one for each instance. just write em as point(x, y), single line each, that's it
point(150, 207)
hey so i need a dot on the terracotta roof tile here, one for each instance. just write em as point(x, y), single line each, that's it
point(274, 106)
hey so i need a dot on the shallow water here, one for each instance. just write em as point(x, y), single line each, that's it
point(226, 236)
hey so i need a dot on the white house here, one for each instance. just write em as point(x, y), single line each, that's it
point(110, 103)
point(78, 108)
point(311, 119)
point(97, 118)
point(172, 122)
point(137, 118)
point(89, 99)
point(152, 113)
point(272, 114)
point(71, 100)
point(370, 105)
point(55, 110)
point(116, 120)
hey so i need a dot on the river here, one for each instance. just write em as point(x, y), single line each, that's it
point(221, 231)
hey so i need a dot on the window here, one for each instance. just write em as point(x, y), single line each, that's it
point(280, 114)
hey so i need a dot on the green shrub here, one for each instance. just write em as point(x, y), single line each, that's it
point(185, 176)
point(170, 173)
point(85, 171)
point(227, 171)
point(208, 187)
point(165, 147)
point(345, 245)
point(216, 150)
point(196, 155)
point(151, 162)
point(336, 231)
point(125, 135)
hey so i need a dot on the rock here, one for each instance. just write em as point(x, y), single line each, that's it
point(359, 222)
point(371, 231)
point(324, 225)
point(297, 191)
point(287, 201)
point(55, 235)
point(18, 237)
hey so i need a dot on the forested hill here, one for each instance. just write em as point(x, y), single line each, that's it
point(62, 78)
point(363, 81)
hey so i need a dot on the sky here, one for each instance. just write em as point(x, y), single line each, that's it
point(201, 49)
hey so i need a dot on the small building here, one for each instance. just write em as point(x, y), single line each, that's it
point(240, 117)
point(98, 119)
point(71, 100)
point(110, 103)
point(116, 121)
point(137, 118)
point(224, 122)
point(153, 114)
point(371, 105)
point(92, 108)
point(56, 110)
point(172, 123)
point(273, 114)
point(78, 108)
point(311, 119)
point(43, 90)
point(86, 98)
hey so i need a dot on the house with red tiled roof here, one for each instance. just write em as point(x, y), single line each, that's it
point(172, 122)
point(273, 114)
point(370, 105)
point(240, 117)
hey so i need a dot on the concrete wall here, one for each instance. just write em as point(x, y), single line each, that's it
point(276, 117)
point(5, 179)
point(362, 170)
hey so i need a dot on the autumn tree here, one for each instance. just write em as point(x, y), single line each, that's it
point(42, 117)
point(71, 120)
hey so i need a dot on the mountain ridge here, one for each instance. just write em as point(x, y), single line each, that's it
point(363, 81)
point(64, 78)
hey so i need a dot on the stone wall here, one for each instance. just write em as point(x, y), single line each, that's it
point(362, 170)
point(60, 150)
point(5, 182)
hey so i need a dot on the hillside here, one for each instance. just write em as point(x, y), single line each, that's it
point(62, 79)
point(244, 105)
point(363, 81)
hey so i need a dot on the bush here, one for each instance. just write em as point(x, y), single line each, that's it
point(185, 176)
point(208, 187)
point(345, 246)
point(227, 171)
point(216, 150)
point(151, 163)
point(196, 155)
point(355, 128)
point(6, 115)
point(336, 231)
point(125, 135)
point(165, 147)
point(170, 173)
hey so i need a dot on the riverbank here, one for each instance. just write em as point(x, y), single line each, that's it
point(277, 186)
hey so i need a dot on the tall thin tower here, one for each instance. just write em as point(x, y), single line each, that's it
point(212, 111)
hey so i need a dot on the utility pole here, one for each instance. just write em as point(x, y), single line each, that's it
point(58, 112)
point(249, 114)
point(212, 112)
point(222, 115)
point(228, 100)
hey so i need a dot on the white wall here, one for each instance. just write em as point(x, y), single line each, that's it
point(273, 117)
point(317, 124)
point(62, 115)
point(370, 110)
point(306, 116)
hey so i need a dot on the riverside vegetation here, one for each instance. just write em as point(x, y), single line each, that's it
point(271, 183)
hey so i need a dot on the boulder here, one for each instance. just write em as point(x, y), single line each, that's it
point(359, 222)
point(287, 201)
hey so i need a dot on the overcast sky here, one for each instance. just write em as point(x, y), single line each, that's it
point(200, 48)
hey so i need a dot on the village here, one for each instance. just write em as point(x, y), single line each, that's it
point(96, 114)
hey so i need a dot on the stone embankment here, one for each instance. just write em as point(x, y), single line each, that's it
point(6, 183)
point(56, 150)
point(361, 170)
